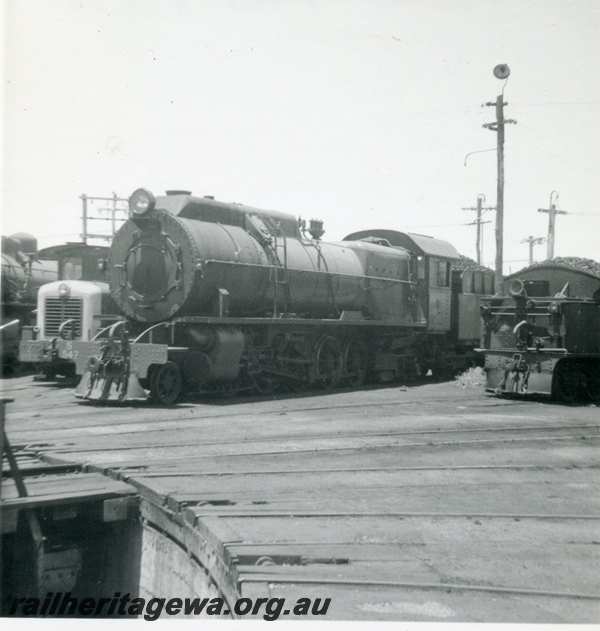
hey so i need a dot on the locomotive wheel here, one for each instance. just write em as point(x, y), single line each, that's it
point(327, 362)
point(354, 363)
point(165, 383)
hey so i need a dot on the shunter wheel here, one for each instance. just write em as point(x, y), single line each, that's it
point(327, 362)
point(165, 383)
point(355, 359)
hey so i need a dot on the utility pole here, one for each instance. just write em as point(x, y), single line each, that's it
point(501, 71)
point(552, 212)
point(479, 209)
point(532, 241)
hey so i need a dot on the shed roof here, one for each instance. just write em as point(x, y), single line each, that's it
point(573, 263)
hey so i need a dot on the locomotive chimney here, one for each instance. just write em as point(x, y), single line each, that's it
point(175, 191)
point(315, 229)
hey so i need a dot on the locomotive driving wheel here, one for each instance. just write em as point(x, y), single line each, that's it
point(165, 383)
point(327, 362)
point(354, 364)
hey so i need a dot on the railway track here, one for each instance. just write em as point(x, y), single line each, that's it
point(432, 503)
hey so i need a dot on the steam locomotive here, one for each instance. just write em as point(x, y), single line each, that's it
point(217, 296)
point(23, 273)
point(543, 338)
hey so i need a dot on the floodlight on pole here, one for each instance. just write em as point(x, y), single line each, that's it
point(502, 72)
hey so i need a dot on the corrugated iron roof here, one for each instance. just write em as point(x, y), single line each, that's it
point(574, 263)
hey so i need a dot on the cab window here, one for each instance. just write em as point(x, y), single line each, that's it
point(71, 268)
point(442, 273)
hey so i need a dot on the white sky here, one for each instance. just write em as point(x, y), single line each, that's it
point(357, 112)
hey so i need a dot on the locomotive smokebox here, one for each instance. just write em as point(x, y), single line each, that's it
point(162, 265)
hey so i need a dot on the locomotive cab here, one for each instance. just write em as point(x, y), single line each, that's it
point(432, 260)
point(449, 290)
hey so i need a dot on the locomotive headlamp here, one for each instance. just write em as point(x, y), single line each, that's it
point(64, 291)
point(517, 288)
point(141, 202)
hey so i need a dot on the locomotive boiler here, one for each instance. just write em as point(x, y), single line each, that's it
point(196, 256)
point(215, 294)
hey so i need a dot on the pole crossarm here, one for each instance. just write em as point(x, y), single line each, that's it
point(531, 241)
point(552, 211)
point(479, 209)
point(534, 240)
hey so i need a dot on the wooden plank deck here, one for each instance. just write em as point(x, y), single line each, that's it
point(426, 503)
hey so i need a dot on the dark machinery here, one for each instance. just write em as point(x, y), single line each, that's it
point(23, 273)
point(543, 345)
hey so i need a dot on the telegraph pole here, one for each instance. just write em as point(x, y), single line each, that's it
point(478, 222)
point(532, 241)
point(552, 212)
point(501, 71)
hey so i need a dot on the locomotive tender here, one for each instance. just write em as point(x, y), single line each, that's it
point(221, 296)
